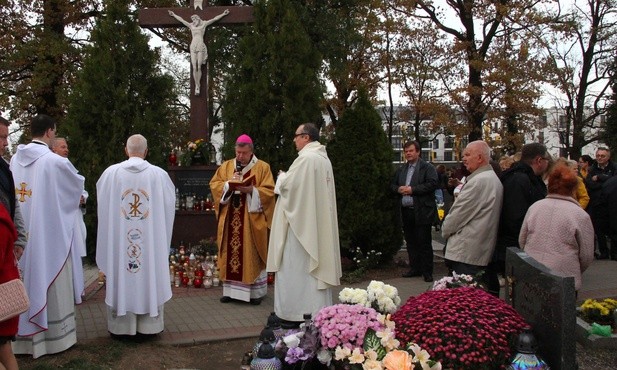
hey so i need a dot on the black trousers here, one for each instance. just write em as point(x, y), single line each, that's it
point(599, 222)
point(419, 242)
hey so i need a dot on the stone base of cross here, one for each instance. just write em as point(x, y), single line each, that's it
point(160, 18)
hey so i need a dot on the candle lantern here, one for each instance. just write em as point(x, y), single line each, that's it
point(208, 282)
point(525, 357)
point(266, 358)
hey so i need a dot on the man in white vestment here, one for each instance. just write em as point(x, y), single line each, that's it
point(60, 146)
point(244, 216)
point(136, 209)
point(48, 189)
point(304, 241)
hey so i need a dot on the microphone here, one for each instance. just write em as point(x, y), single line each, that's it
point(235, 199)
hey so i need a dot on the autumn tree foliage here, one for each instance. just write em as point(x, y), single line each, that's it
point(348, 33)
point(41, 43)
point(474, 28)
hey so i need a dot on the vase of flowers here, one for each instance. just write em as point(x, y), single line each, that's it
point(195, 154)
point(464, 328)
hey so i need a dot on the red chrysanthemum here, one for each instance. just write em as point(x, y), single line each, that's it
point(463, 328)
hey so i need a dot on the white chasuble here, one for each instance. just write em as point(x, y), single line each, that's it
point(136, 209)
point(305, 208)
point(48, 189)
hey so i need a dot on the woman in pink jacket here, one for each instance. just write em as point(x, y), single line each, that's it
point(556, 231)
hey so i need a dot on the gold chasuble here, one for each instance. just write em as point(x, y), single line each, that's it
point(244, 221)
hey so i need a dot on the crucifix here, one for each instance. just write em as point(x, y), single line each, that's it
point(201, 16)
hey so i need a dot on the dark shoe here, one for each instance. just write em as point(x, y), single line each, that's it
point(603, 257)
point(411, 273)
point(255, 301)
point(225, 299)
point(428, 277)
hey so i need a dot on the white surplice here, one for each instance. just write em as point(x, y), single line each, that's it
point(304, 242)
point(136, 209)
point(48, 188)
point(77, 252)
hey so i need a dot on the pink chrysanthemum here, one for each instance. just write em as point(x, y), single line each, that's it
point(345, 325)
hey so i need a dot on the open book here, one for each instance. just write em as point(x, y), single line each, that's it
point(245, 182)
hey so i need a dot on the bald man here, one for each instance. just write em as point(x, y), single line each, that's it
point(471, 226)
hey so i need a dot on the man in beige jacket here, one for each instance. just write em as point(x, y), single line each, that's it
point(472, 223)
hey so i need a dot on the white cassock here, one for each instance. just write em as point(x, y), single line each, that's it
point(304, 242)
point(48, 188)
point(136, 209)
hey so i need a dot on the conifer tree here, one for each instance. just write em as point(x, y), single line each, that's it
point(120, 91)
point(362, 162)
point(274, 86)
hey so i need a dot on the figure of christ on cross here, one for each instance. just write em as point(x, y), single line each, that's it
point(160, 18)
point(199, 51)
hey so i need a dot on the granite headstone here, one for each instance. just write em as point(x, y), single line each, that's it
point(548, 302)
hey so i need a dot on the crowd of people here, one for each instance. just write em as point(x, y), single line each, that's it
point(559, 211)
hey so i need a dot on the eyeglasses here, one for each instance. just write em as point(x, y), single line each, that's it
point(300, 134)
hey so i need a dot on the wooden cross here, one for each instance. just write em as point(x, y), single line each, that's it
point(160, 18)
point(22, 192)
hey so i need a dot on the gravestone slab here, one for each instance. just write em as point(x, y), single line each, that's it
point(548, 302)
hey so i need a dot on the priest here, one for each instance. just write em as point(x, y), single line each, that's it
point(243, 193)
point(60, 146)
point(48, 189)
point(304, 243)
point(136, 209)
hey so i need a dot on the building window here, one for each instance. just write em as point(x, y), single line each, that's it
point(563, 122)
point(447, 156)
point(449, 142)
point(436, 144)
